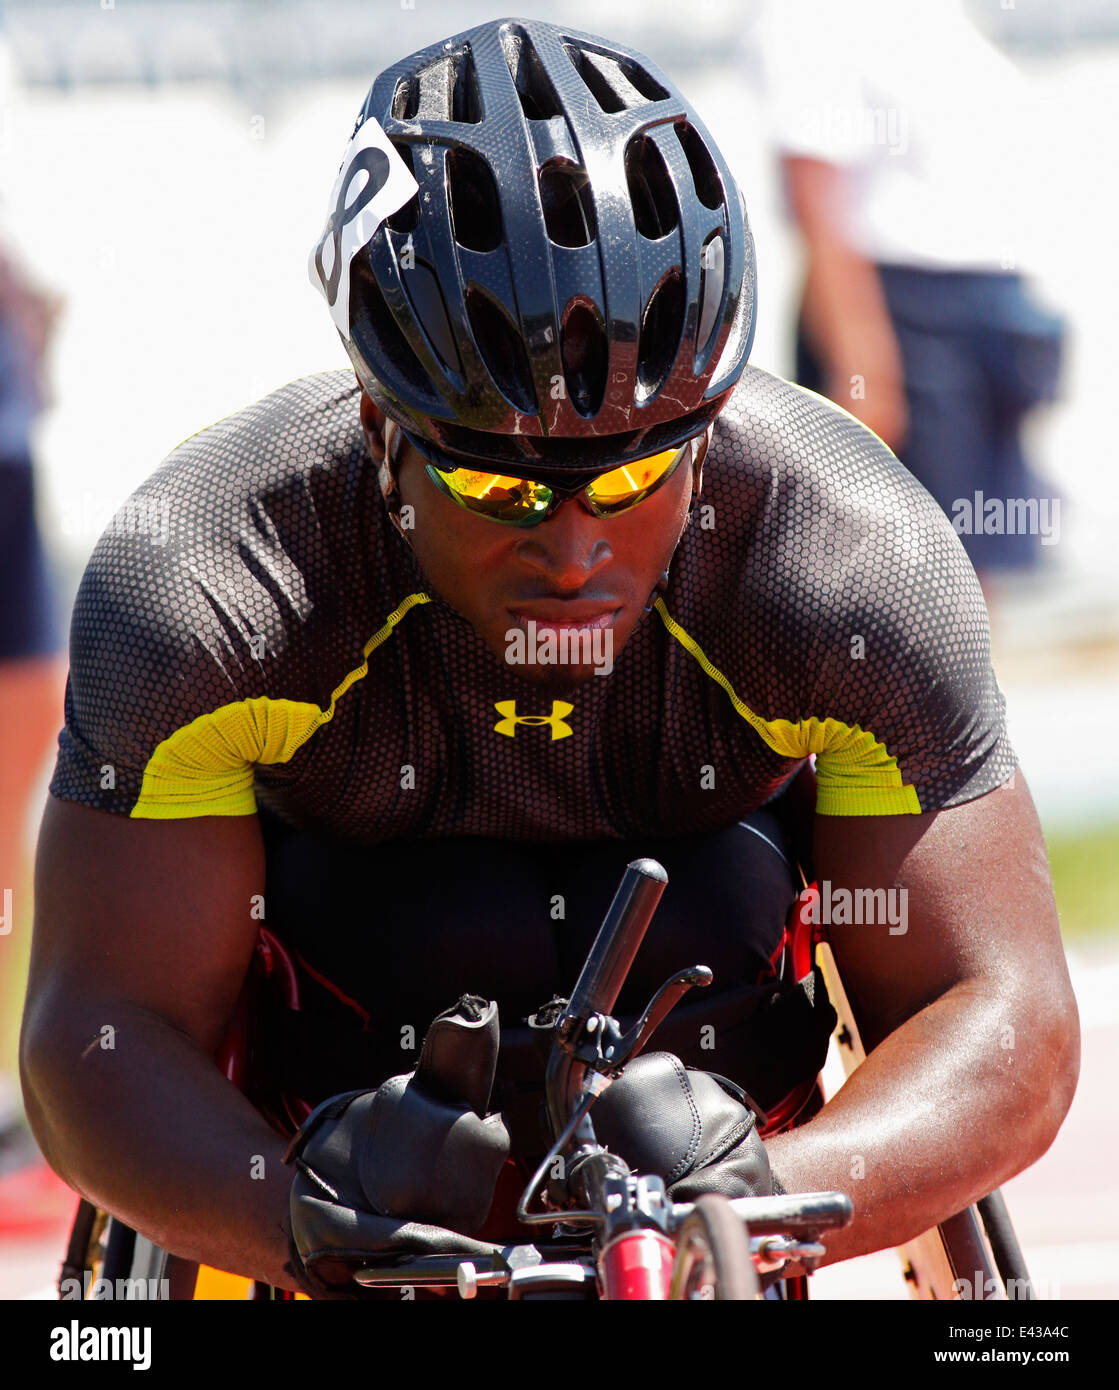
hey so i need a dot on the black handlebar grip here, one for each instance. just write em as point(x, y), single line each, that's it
point(622, 931)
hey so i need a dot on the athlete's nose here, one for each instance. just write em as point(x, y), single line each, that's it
point(568, 548)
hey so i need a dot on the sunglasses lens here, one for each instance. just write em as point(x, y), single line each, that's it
point(632, 482)
point(496, 495)
point(524, 502)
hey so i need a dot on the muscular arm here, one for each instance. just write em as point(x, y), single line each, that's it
point(968, 1019)
point(145, 926)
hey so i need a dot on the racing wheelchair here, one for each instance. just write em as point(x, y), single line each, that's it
point(611, 1232)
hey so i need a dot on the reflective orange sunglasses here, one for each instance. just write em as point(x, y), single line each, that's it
point(514, 501)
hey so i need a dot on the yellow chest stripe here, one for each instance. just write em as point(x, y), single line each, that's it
point(855, 774)
point(206, 767)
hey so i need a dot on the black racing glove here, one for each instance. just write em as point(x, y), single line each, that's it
point(685, 1126)
point(409, 1168)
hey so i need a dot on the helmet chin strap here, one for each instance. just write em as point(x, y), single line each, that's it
point(661, 586)
point(697, 489)
point(662, 582)
point(389, 490)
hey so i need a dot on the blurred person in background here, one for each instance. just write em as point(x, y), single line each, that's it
point(32, 677)
point(902, 135)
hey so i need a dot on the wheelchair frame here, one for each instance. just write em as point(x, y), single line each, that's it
point(976, 1248)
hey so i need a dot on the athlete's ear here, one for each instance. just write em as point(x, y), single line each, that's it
point(382, 437)
point(697, 467)
point(373, 427)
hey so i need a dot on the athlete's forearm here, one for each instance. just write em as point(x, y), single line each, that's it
point(143, 1124)
point(955, 1101)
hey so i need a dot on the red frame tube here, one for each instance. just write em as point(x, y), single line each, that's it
point(636, 1266)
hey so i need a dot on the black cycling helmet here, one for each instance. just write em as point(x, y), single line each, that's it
point(574, 280)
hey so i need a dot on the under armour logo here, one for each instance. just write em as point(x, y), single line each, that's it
point(507, 724)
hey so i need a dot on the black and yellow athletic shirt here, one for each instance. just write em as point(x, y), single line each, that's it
point(268, 637)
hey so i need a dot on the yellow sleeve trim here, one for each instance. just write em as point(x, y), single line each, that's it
point(206, 767)
point(855, 774)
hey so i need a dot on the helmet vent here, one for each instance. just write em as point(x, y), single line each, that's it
point(427, 302)
point(601, 75)
point(404, 219)
point(585, 353)
point(537, 95)
point(374, 331)
point(466, 95)
point(650, 189)
point(643, 81)
point(711, 276)
point(661, 327)
point(500, 348)
point(406, 98)
point(446, 90)
point(705, 176)
point(614, 85)
point(474, 205)
point(565, 197)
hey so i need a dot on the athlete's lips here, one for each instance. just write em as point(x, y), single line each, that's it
point(564, 614)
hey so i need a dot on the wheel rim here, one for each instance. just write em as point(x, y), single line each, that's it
point(695, 1272)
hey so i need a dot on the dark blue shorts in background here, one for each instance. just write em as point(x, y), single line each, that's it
point(28, 618)
point(978, 354)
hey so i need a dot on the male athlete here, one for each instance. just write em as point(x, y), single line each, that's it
point(421, 662)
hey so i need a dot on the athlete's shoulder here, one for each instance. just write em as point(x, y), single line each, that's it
point(262, 502)
point(822, 477)
point(307, 423)
point(857, 603)
point(234, 580)
point(777, 429)
point(273, 511)
point(763, 401)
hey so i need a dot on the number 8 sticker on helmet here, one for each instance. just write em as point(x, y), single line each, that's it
point(358, 207)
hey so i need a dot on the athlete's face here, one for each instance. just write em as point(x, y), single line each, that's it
point(569, 575)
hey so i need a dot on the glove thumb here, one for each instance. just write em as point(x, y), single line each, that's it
point(458, 1060)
